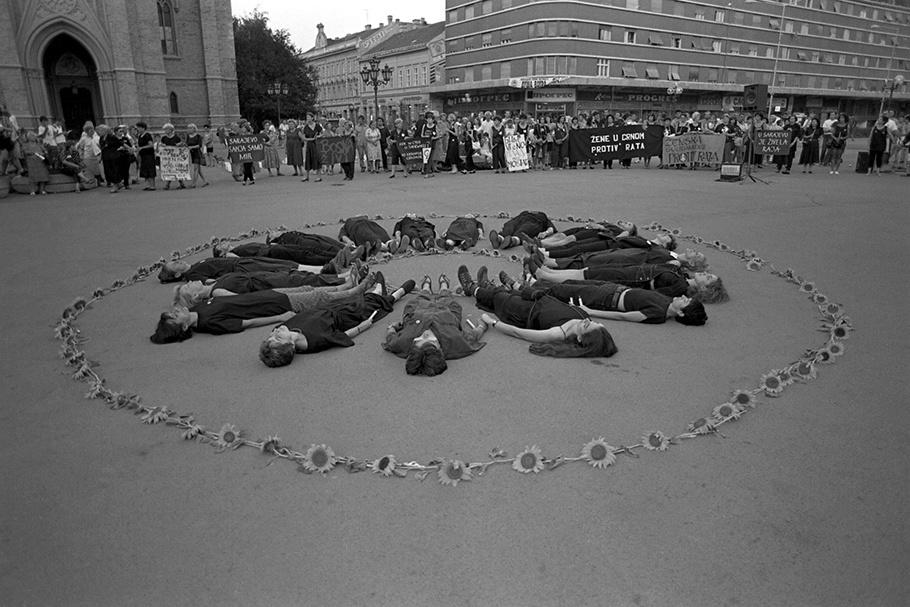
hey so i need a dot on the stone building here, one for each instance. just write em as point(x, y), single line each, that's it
point(339, 88)
point(118, 61)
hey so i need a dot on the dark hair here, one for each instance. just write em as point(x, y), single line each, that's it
point(169, 332)
point(43, 118)
point(592, 345)
point(425, 360)
point(165, 274)
point(713, 292)
point(693, 314)
point(276, 355)
point(670, 246)
point(142, 125)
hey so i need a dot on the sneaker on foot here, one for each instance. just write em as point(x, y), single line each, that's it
point(380, 280)
point(404, 244)
point(495, 239)
point(467, 283)
point(442, 244)
point(506, 280)
point(407, 286)
point(416, 243)
point(483, 278)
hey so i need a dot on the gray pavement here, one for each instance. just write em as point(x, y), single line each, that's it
point(801, 502)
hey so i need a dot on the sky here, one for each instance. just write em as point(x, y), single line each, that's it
point(341, 17)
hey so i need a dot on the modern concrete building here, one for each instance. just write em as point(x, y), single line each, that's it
point(114, 61)
point(579, 55)
point(340, 90)
point(417, 59)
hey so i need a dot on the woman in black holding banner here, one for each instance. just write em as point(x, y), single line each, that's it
point(145, 146)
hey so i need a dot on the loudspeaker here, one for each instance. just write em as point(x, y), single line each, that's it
point(755, 96)
point(731, 172)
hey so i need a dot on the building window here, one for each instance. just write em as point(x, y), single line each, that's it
point(655, 40)
point(734, 49)
point(731, 76)
point(632, 4)
point(605, 33)
point(452, 16)
point(651, 73)
point(719, 16)
point(469, 75)
point(557, 29)
point(573, 30)
point(506, 36)
point(486, 40)
point(486, 72)
point(541, 29)
point(166, 24)
point(673, 72)
point(693, 74)
point(628, 71)
point(551, 65)
point(486, 7)
point(469, 12)
point(603, 68)
point(630, 37)
point(506, 4)
point(753, 51)
point(700, 14)
point(712, 75)
point(505, 69)
point(717, 46)
point(175, 106)
point(677, 43)
point(469, 43)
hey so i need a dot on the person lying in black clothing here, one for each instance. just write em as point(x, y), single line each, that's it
point(532, 224)
point(605, 242)
point(331, 325)
point(416, 231)
point(310, 255)
point(213, 267)
point(589, 231)
point(556, 328)
point(463, 232)
point(363, 231)
point(689, 259)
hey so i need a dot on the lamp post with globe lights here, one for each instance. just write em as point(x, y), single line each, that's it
point(277, 89)
point(373, 76)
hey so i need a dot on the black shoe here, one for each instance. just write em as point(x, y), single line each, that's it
point(379, 279)
point(442, 244)
point(467, 283)
point(417, 244)
point(483, 278)
point(495, 239)
point(408, 286)
point(506, 280)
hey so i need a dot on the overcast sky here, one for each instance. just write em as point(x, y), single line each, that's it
point(340, 17)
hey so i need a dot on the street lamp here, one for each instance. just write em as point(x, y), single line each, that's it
point(277, 89)
point(673, 92)
point(890, 83)
point(372, 75)
point(780, 37)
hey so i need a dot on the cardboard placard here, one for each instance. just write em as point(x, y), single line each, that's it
point(175, 163)
point(772, 142)
point(245, 148)
point(689, 148)
point(516, 153)
point(415, 153)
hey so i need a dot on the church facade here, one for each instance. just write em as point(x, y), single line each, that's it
point(118, 61)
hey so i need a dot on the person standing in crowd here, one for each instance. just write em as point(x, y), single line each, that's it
point(374, 151)
point(498, 147)
point(467, 140)
point(360, 142)
point(560, 144)
point(837, 143)
point(194, 143)
point(208, 141)
point(346, 129)
point(89, 149)
point(172, 139)
point(796, 133)
point(878, 143)
point(145, 148)
point(270, 157)
point(9, 148)
point(397, 135)
point(248, 168)
point(294, 147)
point(36, 162)
point(47, 136)
point(311, 130)
point(810, 137)
point(108, 145)
point(825, 143)
point(428, 135)
point(383, 142)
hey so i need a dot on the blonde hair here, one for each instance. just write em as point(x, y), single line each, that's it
point(167, 125)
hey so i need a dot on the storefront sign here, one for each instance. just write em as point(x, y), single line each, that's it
point(175, 163)
point(245, 148)
point(530, 82)
point(468, 98)
point(551, 96)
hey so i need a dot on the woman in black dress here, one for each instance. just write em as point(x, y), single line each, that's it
point(145, 144)
point(194, 143)
point(555, 328)
point(809, 155)
point(878, 142)
point(311, 130)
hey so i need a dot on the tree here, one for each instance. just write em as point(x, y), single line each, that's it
point(263, 57)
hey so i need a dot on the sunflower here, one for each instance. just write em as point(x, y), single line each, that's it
point(770, 383)
point(824, 356)
point(743, 398)
point(676, 232)
point(727, 411)
point(723, 247)
point(832, 309)
point(820, 298)
point(451, 471)
point(702, 425)
point(385, 465)
point(803, 370)
point(598, 453)
point(807, 287)
point(698, 239)
point(270, 444)
point(717, 244)
point(228, 436)
point(319, 458)
point(840, 332)
point(836, 349)
point(785, 377)
point(655, 441)
point(528, 460)
point(753, 266)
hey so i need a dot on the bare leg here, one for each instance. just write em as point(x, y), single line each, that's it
point(552, 275)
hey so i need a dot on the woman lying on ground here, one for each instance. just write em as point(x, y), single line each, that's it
point(175, 271)
point(430, 331)
point(195, 291)
point(555, 328)
point(601, 299)
point(328, 326)
point(221, 315)
point(665, 279)
point(533, 224)
point(688, 259)
point(316, 254)
point(415, 231)
point(604, 242)
point(303, 239)
point(463, 232)
point(589, 231)
point(363, 231)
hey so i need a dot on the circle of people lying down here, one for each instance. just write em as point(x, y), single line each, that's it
point(465, 232)
point(319, 293)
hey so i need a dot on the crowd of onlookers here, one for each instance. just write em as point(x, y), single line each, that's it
point(123, 155)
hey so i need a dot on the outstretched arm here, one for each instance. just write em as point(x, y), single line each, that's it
point(634, 316)
point(266, 320)
point(366, 324)
point(539, 336)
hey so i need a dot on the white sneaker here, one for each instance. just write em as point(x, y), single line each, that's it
point(831, 172)
point(837, 172)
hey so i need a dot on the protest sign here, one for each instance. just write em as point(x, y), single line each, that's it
point(245, 148)
point(335, 150)
point(772, 142)
point(516, 153)
point(414, 152)
point(611, 143)
point(175, 163)
point(689, 148)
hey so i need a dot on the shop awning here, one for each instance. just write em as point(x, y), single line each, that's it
point(652, 73)
point(628, 71)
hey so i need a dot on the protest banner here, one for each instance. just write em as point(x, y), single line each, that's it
point(689, 148)
point(772, 142)
point(335, 150)
point(415, 153)
point(611, 143)
point(245, 148)
point(516, 153)
point(175, 163)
